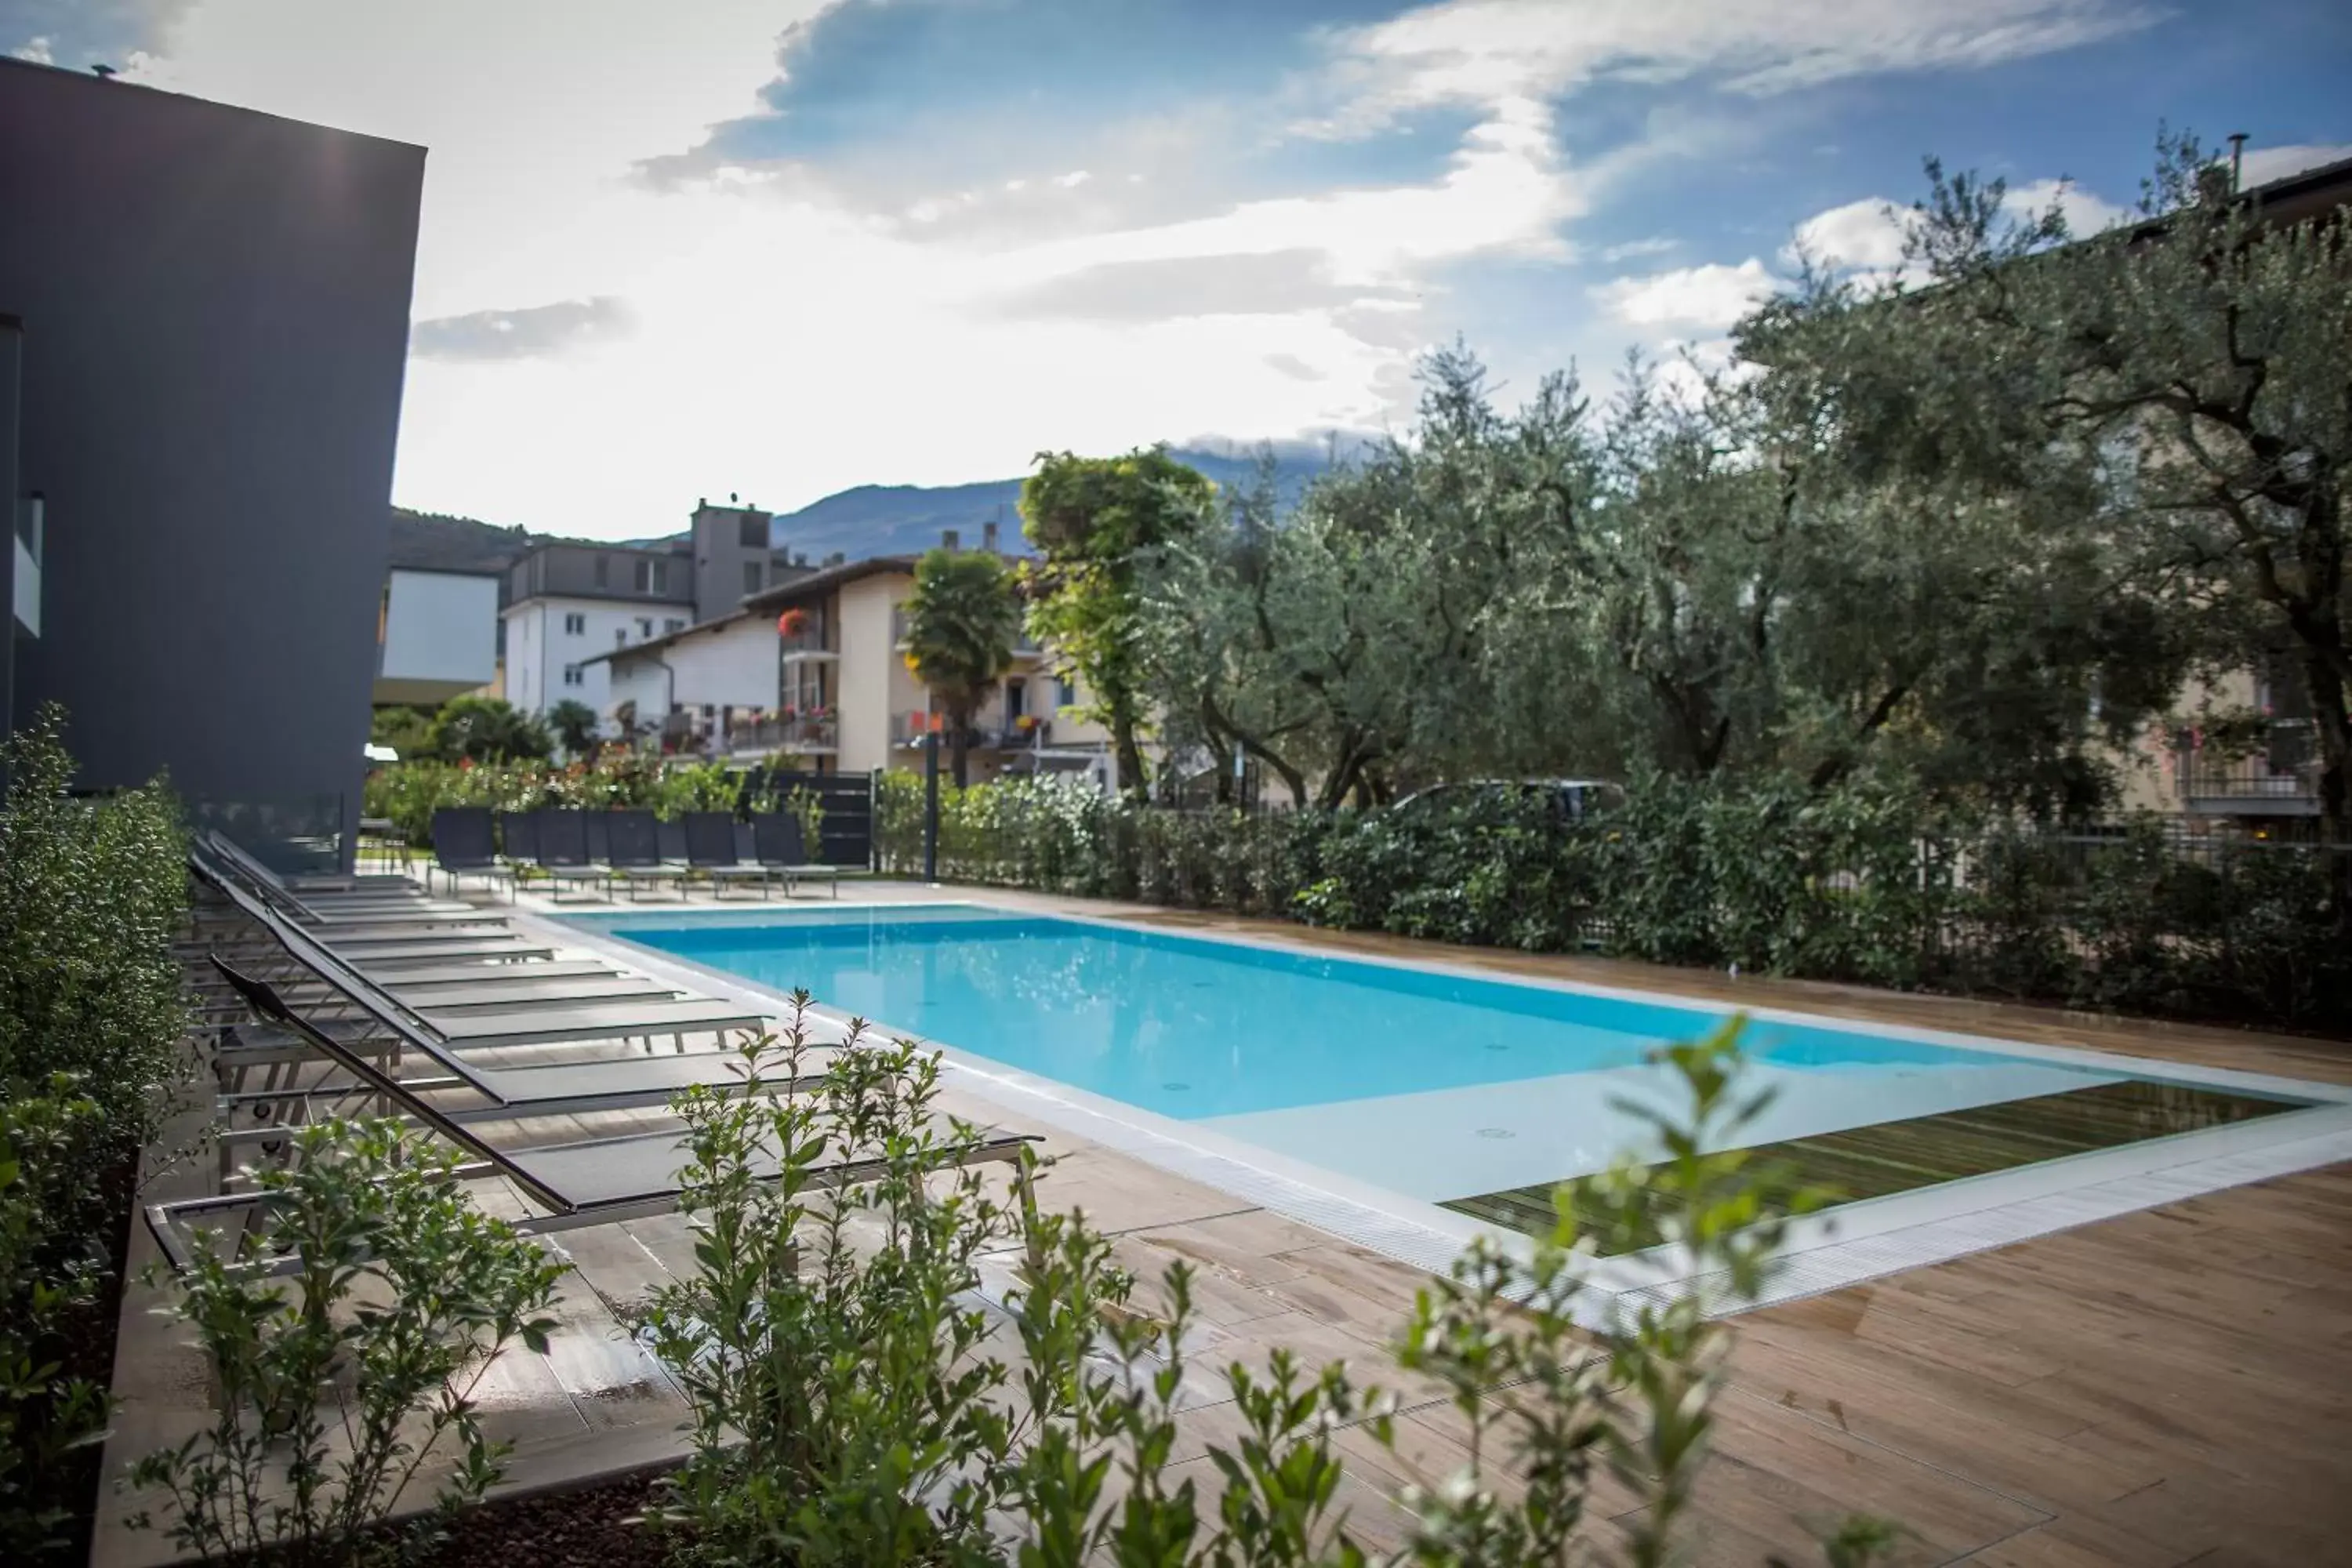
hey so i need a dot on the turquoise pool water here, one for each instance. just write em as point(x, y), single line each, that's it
point(1195, 1028)
point(1433, 1084)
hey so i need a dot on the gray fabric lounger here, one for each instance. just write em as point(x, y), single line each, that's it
point(601, 1181)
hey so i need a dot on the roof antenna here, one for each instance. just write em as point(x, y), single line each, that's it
point(2237, 159)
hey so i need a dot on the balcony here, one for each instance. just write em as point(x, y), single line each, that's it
point(2282, 781)
point(804, 646)
point(989, 735)
point(799, 736)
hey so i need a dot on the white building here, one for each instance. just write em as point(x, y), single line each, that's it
point(554, 641)
point(835, 693)
point(570, 601)
point(693, 681)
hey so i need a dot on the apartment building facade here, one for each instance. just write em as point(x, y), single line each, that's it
point(815, 671)
point(569, 602)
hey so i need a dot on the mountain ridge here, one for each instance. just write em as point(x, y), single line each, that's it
point(860, 522)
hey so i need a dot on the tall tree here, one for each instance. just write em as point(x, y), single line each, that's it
point(1095, 520)
point(2184, 383)
point(962, 621)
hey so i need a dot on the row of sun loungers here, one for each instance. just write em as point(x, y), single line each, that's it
point(369, 991)
point(508, 846)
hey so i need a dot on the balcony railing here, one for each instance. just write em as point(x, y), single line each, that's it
point(906, 730)
point(2283, 782)
point(799, 735)
point(803, 644)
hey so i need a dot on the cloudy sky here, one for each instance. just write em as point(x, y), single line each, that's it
point(783, 247)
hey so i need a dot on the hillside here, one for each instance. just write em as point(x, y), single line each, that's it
point(884, 520)
point(432, 542)
point(868, 520)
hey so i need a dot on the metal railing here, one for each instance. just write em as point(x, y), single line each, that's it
point(2257, 784)
point(795, 734)
point(809, 639)
point(908, 730)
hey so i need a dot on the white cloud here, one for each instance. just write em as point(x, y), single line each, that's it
point(1712, 295)
point(2085, 214)
point(1657, 245)
point(1480, 51)
point(1866, 234)
point(1508, 191)
point(2264, 164)
point(36, 50)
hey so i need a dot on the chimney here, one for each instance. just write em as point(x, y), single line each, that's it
point(949, 539)
point(987, 537)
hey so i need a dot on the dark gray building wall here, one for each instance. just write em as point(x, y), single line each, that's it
point(215, 325)
point(12, 499)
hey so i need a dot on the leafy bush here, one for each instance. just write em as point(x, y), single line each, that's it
point(403, 1294)
point(51, 1279)
point(856, 1403)
point(486, 729)
point(92, 894)
point(408, 792)
point(1868, 881)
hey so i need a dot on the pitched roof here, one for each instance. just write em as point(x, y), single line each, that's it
point(650, 644)
point(817, 584)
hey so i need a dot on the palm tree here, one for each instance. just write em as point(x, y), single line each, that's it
point(487, 729)
point(574, 723)
point(962, 621)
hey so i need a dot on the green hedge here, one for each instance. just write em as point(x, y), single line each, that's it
point(408, 792)
point(1869, 882)
point(92, 1009)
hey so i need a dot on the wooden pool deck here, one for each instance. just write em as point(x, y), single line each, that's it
point(2169, 1387)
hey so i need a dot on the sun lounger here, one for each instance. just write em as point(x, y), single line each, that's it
point(491, 997)
point(632, 848)
point(441, 1034)
point(518, 839)
point(529, 972)
point(215, 856)
point(781, 844)
point(604, 1180)
point(556, 1018)
point(564, 852)
point(710, 849)
point(462, 847)
point(388, 955)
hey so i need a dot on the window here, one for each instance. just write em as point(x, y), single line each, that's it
point(575, 624)
point(1015, 694)
point(575, 676)
point(1065, 692)
point(673, 625)
point(753, 582)
point(620, 636)
point(604, 571)
point(645, 625)
point(653, 576)
point(752, 532)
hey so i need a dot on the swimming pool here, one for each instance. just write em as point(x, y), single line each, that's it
point(1451, 1091)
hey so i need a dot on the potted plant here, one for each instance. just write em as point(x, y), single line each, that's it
point(793, 622)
